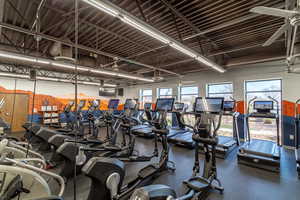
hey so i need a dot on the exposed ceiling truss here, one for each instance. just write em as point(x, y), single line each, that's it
point(221, 30)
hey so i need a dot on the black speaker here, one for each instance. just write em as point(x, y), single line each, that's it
point(32, 74)
point(121, 92)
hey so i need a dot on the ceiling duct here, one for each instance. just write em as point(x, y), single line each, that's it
point(61, 52)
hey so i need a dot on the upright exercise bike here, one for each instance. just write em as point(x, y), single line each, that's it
point(205, 129)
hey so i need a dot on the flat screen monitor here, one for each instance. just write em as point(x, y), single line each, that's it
point(113, 103)
point(147, 106)
point(129, 104)
point(178, 106)
point(164, 104)
point(263, 105)
point(209, 104)
point(229, 105)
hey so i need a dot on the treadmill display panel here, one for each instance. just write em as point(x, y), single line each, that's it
point(178, 106)
point(113, 104)
point(263, 105)
point(147, 106)
point(164, 104)
point(229, 105)
point(129, 104)
point(209, 104)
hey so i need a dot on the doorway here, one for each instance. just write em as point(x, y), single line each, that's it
point(15, 110)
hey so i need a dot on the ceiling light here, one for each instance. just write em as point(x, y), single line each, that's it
point(102, 7)
point(183, 50)
point(144, 29)
point(212, 65)
point(14, 75)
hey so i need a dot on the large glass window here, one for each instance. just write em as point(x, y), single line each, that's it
point(164, 92)
point(146, 95)
point(223, 90)
point(220, 90)
point(261, 128)
point(188, 95)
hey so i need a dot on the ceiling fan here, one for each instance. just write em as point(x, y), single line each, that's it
point(292, 22)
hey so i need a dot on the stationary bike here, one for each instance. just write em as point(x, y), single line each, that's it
point(205, 132)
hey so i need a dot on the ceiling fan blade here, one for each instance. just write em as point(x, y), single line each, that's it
point(276, 35)
point(274, 11)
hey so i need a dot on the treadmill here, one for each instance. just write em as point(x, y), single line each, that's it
point(297, 137)
point(227, 144)
point(180, 128)
point(184, 138)
point(145, 129)
point(257, 153)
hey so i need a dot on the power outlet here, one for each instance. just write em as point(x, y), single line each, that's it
point(292, 137)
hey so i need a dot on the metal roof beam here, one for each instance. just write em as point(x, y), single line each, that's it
point(230, 23)
point(54, 39)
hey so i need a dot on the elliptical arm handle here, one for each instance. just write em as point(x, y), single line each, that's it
point(60, 180)
point(250, 102)
point(296, 107)
point(277, 104)
point(235, 103)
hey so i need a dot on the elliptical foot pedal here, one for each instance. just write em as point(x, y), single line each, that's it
point(198, 184)
point(147, 171)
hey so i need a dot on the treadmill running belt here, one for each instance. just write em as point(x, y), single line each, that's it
point(262, 146)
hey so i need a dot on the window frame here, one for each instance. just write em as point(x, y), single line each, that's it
point(180, 91)
point(164, 96)
point(142, 94)
point(220, 93)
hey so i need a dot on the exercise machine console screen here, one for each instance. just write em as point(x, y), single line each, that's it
point(209, 104)
point(178, 106)
point(147, 106)
point(129, 104)
point(229, 106)
point(263, 106)
point(164, 104)
point(113, 104)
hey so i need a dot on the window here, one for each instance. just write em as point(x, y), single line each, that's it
point(188, 95)
point(261, 128)
point(220, 90)
point(223, 90)
point(164, 93)
point(145, 95)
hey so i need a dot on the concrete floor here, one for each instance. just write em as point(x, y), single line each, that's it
point(239, 181)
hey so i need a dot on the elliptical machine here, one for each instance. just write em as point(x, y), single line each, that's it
point(205, 132)
point(107, 174)
point(93, 129)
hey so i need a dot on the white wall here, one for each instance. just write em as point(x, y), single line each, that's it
point(238, 75)
point(55, 89)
